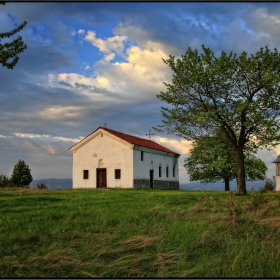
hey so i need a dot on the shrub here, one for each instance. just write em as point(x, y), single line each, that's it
point(269, 185)
point(4, 181)
point(41, 186)
point(21, 176)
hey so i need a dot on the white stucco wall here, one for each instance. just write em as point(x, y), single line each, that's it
point(277, 179)
point(115, 155)
point(152, 160)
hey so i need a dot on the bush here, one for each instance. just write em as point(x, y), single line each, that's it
point(21, 176)
point(4, 181)
point(269, 185)
point(41, 186)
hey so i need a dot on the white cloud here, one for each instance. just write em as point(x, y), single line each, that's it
point(59, 111)
point(149, 57)
point(50, 137)
point(29, 135)
point(180, 146)
point(136, 33)
point(88, 86)
point(3, 136)
point(109, 57)
point(81, 31)
point(140, 77)
point(64, 139)
point(108, 45)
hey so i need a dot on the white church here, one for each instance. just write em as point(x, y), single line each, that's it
point(111, 159)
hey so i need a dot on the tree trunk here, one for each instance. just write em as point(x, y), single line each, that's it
point(240, 167)
point(226, 184)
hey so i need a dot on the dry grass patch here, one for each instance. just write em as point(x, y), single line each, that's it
point(57, 263)
point(271, 221)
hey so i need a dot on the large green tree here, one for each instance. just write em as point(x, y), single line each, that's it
point(21, 176)
point(211, 160)
point(240, 95)
point(9, 51)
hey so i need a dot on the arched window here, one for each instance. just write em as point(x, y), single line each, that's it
point(167, 171)
point(101, 163)
point(159, 171)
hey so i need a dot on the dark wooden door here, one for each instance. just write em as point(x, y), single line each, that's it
point(101, 178)
point(151, 179)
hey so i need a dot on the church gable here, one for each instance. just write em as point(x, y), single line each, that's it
point(126, 139)
point(98, 135)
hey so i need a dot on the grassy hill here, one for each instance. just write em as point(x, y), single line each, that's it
point(138, 233)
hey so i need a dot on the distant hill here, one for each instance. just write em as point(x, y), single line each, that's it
point(219, 186)
point(53, 183)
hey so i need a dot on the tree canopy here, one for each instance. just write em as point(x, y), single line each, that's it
point(9, 51)
point(21, 176)
point(211, 160)
point(240, 95)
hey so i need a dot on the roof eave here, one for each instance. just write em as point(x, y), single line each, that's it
point(140, 147)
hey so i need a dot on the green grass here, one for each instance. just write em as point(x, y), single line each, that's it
point(138, 233)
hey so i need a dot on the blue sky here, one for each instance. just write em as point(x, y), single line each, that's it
point(89, 63)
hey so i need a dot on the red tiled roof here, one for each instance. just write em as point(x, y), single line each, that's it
point(135, 140)
point(139, 141)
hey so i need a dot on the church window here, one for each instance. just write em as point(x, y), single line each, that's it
point(142, 156)
point(173, 170)
point(117, 174)
point(159, 171)
point(85, 174)
point(167, 171)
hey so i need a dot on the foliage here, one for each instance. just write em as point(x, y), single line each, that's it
point(21, 176)
point(238, 95)
point(41, 186)
point(9, 51)
point(269, 185)
point(212, 160)
point(4, 181)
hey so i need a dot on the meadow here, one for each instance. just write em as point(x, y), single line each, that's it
point(138, 234)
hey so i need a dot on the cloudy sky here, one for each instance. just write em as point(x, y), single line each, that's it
point(90, 63)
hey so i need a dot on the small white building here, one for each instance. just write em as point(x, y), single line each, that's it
point(277, 177)
point(108, 158)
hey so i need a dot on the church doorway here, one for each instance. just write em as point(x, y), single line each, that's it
point(101, 178)
point(151, 179)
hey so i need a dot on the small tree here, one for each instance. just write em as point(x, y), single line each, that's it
point(21, 176)
point(41, 186)
point(269, 185)
point(212, 160)
point(9, 51)
point(4, 181)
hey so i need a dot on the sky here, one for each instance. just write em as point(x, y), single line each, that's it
point(90, 63)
